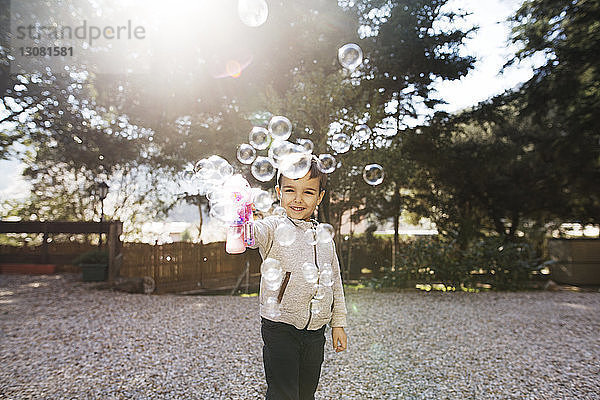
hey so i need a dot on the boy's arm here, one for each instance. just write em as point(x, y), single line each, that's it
point(338, 317)
point(263, 234)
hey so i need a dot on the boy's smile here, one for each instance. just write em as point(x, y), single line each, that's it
point(300, 197)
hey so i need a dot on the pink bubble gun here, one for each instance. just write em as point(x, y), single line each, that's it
point(241, 233)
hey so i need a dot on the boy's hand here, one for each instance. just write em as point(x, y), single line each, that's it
point(340, 340)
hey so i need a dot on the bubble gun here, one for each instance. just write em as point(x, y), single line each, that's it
point(241, 232)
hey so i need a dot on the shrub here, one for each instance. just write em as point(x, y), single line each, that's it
point(92, 257)
point(488, 261)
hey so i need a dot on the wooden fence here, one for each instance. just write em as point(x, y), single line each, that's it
point(58, 253)
point(190, 267)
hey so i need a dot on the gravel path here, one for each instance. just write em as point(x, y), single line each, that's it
point(61, 338)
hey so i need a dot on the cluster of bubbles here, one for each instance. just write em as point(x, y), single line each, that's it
point(226, 191)
point(350, 57)
point(321, 278)
point(292, 159)
point(285, 234)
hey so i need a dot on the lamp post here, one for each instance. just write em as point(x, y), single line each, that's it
point(102, 193)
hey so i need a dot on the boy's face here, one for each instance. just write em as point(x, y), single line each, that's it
point(299, 197)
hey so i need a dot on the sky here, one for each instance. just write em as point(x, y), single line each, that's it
point(489, 45)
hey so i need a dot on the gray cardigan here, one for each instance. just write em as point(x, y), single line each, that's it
point(296, 293)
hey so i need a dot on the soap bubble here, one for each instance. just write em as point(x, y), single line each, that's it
point(325, 233)
point(259, 138)
point(373, 174)
point(315, 306)
point(320, 292)
point(340, 143)
point(253, 13)
point(223, 212)
point(307, 144)
point(285, 234)
point(350, 56)
point(202, 166)
point(279, 211)
point(221, 165)
point(280, 127)
point(363, 132)
point(326, 163)
point(235, 189)
point(246, 153)
point(271, 307)
point(310, 272)
point(325, 277)
point(268, 264)
point(310, 236)
point(295, 166)
point(263, 169)
point(271, 272)
point(263, 201)
point(272, 278)
point(282, 148)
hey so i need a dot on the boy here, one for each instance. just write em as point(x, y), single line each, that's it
point(294, 338)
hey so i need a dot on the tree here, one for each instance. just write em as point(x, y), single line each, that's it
point(563, 97)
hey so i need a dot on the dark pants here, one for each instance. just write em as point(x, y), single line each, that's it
point(292, 360)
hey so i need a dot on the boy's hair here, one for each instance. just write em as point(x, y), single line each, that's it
point(314, 171)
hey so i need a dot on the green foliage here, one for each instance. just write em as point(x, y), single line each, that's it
point(563, 97)
point(489, 261)
point(92, 257)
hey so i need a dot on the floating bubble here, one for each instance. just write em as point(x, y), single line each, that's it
point(350, 56)
point(279, 211)
point(271, 307)
point(268, 264)
point(310, 236)
point(223, 212)
point(325, 233)
point(363, 132)
point(295, 166)
point(235, 190)
point(326, 163)
point(325, 277)
point(246, 153)
point(263, 201)
point(271, 272)
point(263, 169)
point(253, 13)
point(307, 144)
point(272, 278)
point(207, 170)
point(202, 165)
point(320, 293)
point(310, 272)
point(285, 234)
point(282, 148)
point(340, 143)
point(315, 306)
point(221, 165)
point(280, 127)
point(259, 138)
point(373, 174)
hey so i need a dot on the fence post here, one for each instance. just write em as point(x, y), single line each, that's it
point(115, 255)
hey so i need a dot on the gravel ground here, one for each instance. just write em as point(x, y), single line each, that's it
point(61, 338)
